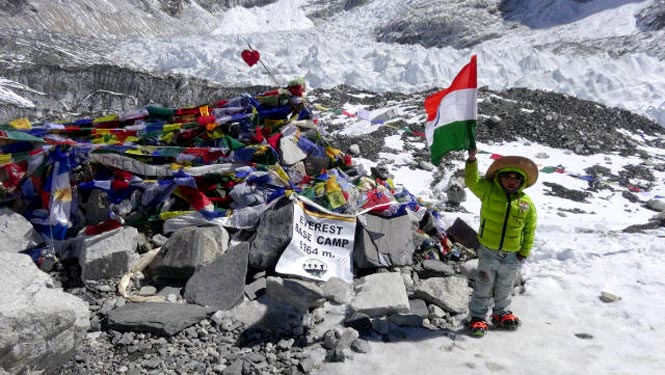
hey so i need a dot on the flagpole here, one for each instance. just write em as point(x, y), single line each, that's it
point(472, 139)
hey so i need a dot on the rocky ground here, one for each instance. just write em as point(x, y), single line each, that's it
point(222, 345)
point(217, 345)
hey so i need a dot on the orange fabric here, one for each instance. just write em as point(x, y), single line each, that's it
point(478, 324)
point(508, 317)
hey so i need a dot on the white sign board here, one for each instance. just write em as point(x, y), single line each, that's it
point(321, 246)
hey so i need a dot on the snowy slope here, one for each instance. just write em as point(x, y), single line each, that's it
point(588, 49)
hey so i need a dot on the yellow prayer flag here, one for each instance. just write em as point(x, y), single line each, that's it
point(21, 123)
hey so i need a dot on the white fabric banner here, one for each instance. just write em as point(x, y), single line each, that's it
point(321, 246)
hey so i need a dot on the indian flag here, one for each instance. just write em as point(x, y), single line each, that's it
point(452, 114)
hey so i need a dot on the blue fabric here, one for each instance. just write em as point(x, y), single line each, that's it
point(310, 147)
point(16, 147)
point(83, 122)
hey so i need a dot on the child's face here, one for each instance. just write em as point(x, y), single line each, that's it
point(511, 181)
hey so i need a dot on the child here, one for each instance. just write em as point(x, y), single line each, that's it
point(506, 235)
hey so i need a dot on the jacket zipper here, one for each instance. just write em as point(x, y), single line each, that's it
point(505, 222)
point(482, 228)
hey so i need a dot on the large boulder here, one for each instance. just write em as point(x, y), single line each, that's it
point(108, 255)
point(40, 326)
point(221, 283)
point(273, 234)
point(449, 293)
point(188, 249)
point(384, 242)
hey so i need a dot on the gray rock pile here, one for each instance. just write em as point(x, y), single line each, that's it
point(204, 301)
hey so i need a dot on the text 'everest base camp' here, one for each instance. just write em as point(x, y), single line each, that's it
point(235, 219)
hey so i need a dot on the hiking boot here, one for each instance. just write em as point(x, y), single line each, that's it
point(506, 321)
point(478, 327)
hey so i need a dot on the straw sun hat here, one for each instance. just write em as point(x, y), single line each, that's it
point(526, 165)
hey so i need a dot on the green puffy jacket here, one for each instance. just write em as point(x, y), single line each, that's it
point(507, 221)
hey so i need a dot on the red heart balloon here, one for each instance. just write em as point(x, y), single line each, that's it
point(250, 57)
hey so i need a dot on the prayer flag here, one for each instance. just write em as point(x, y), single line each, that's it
point(61, 193)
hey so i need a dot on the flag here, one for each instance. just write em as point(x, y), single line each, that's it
point(452, 114)
point(61, 193)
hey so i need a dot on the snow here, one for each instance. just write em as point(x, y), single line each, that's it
point(7, 95)
point(566, 328)
point(341, 50)
point(559, 46)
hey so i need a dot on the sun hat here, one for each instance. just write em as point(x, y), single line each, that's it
point(508, 162)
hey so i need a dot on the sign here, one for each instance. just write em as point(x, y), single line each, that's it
point(320, 247)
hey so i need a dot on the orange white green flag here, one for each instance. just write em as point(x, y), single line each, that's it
point(452, 115)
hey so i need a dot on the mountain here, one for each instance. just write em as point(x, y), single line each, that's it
point(574, 85)
point(604, 51)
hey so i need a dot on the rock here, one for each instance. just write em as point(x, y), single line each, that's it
point(432, 268)
point(263, 314)
point(380, 294)
point(16, 232)
point(228, 271)
point(346, 337)
point(109, 254)
point(382, 242)
point(462, 233)
point(147, 290)
point(656, 205)
point(435, 312)
point(159, 240)
point(303, 295)
point(407, 320)
point(159, 318)
point(360, 322)
point(40, 326)
point(273, 234)
point(329, 340)
point(187, 249)
point(256, 288)
point(456, 194)
point(289, 150)
point(96, 207)
point(418, 307)
point(361, 346)
point(450, 293)
point(234, 368)
point(337, 290)
point(609, 297)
